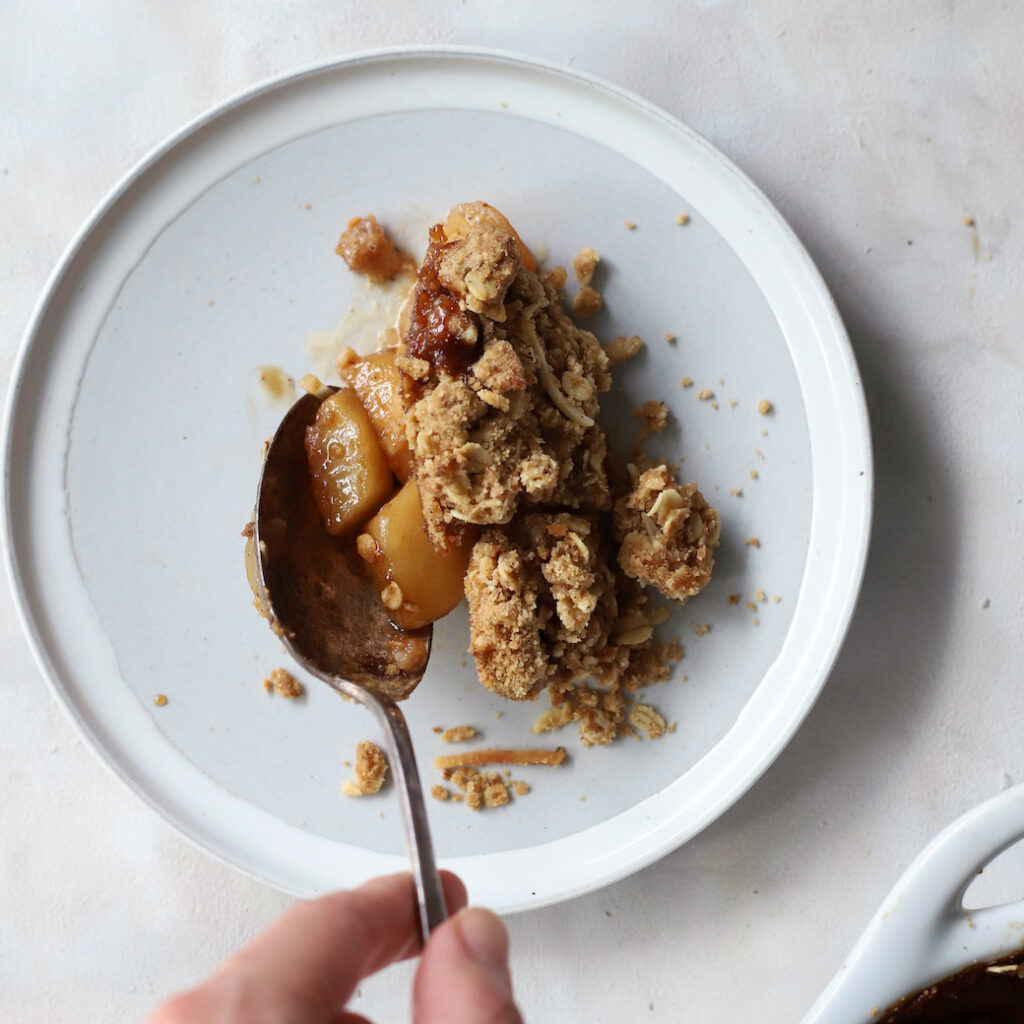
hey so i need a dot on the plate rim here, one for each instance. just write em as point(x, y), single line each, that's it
point(812, 279)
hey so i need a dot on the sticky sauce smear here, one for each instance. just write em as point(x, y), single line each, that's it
point(275, 384)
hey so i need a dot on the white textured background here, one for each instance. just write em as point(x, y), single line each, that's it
point(876, 128)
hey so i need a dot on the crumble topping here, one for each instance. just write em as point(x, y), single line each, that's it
point(458, 733)
point(621, 349)
point(283, 683)
point(587, 301)
point(371, 769)
point(513, 418)
point(584, 264)
point(668, 534)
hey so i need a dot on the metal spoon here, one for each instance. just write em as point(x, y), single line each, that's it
point(329, 616)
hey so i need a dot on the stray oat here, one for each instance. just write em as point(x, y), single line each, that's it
point(647, 720)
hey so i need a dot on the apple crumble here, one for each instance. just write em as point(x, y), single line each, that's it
point(469, 459)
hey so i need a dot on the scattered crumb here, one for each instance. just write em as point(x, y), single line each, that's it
point(714, 405)
point(458, 733)
point(587, 301)
point(760, 595)
point(721, 382)
point(498, 714)
point(968, 222)
point(306, 206)
point(704, 394)
point(764, 407)
point(520, 788)
point(283, 683)
point(687, 382)
point(764, 433)
point(371, 770)
point(670, 338)
point(753, 474)
point(438, 728)
point(481, 789)
point(621, 349)
point(683, 218)
point(736, 492)
point(759, 453)
point(256, 180)
point(653, 418)
point(734, 599)
point(439, 792)
point(752, 542)
point(733, 403)
point(757, 622)
point(160, 700)
point(751, 606)
point(674, 651)
point(502, 103)
point(646, 719)
point(703, 630)
point(631, 225)
point(584, 264)
point(777, 598)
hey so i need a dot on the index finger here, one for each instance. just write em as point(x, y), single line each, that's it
point(307, 963)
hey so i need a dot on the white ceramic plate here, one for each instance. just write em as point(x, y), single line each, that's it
point(134, 428)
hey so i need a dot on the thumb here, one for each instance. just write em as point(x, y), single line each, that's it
point(463, 975)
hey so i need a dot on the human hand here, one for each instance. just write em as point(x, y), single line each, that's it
point(304, 967)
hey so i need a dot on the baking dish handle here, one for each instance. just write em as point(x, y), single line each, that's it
point(922, 932)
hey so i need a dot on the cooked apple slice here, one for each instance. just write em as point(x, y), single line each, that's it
point(458, 219)
point(378, 383)
point(350, 474)
point(417, 583)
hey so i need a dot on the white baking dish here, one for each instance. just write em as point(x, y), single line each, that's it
point(923, 932)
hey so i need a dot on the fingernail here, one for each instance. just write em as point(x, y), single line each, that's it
point(485, 937)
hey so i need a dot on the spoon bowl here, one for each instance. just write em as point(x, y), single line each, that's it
point(330, 618)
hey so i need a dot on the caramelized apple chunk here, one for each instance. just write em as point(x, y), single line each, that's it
point(350, 474)
point(417, 584)
point(377, 382)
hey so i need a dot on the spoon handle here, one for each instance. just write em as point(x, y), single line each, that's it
point(433, 909)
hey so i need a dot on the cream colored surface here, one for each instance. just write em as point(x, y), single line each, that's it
point(876, 130)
